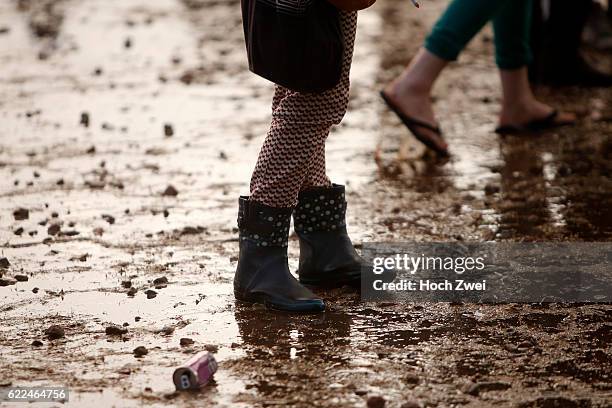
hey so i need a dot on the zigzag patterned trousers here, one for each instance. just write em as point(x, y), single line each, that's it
point(292, 157)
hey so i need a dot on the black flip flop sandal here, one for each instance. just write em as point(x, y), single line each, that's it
point(538, 125)
point(413, 125)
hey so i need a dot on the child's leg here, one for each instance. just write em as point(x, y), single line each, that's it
point(293, 154)
point(284, 161)
point(316, 175)
point(512, 26)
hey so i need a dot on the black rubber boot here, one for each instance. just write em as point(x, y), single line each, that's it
point(327, 255)
point(262, 275)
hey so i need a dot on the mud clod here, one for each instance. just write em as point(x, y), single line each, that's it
point(186, 341)
point(126, 284)
point(21, 278)
point(477, 388)
point(150, 293)
point(160, 281)
point(54, 229)
point(211, 348)
point(140, 351)
point(84, 121)
point(132, 292)
point(412, 379)
point(21, 214)
point(37, 343)
point(7, 281)
point(170, 191)
point(108, 218)
point(55, 332)
point(80, 258)
point(376, 401)
point(4, 263)
point(165, 331)
point(168, 130)
point(115, 331)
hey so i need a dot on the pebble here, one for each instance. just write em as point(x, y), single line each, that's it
point(132, 291)
point(7, 281)
point(126, 284)
point(53, 229)
point(211, 347)
point(21, 214)
point(170, 191)
point(35, 290)
point(55, 332)
point(410, 404)
point(160, 281)
point(185, 341)
point(376, 401)
point(80, 258)
point(140, 351)
point(476, 388)
point(37, 343)
point(168, 130)
point(4, 263)
point(108, 218)
point(166, 330)
point(189, 230)
point(412, 379)
point(116, 331)
point(151, 294)
point(21, 278)
point(18, 231)
point(84, 119)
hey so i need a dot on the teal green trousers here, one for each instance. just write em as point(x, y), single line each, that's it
point(463, 19)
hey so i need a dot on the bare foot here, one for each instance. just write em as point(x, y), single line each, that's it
point(521, 114)
point(416, 105)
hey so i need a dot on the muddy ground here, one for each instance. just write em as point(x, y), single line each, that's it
point(129, 128)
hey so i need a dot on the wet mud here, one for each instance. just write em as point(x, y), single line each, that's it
point(130, 128)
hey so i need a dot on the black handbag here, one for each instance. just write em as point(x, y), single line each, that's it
point(294, 43)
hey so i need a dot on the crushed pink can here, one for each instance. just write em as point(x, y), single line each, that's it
point(196, 372)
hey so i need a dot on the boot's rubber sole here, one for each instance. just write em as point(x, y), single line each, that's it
point(327, 281)
point(305, 306)
point(331, 284)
